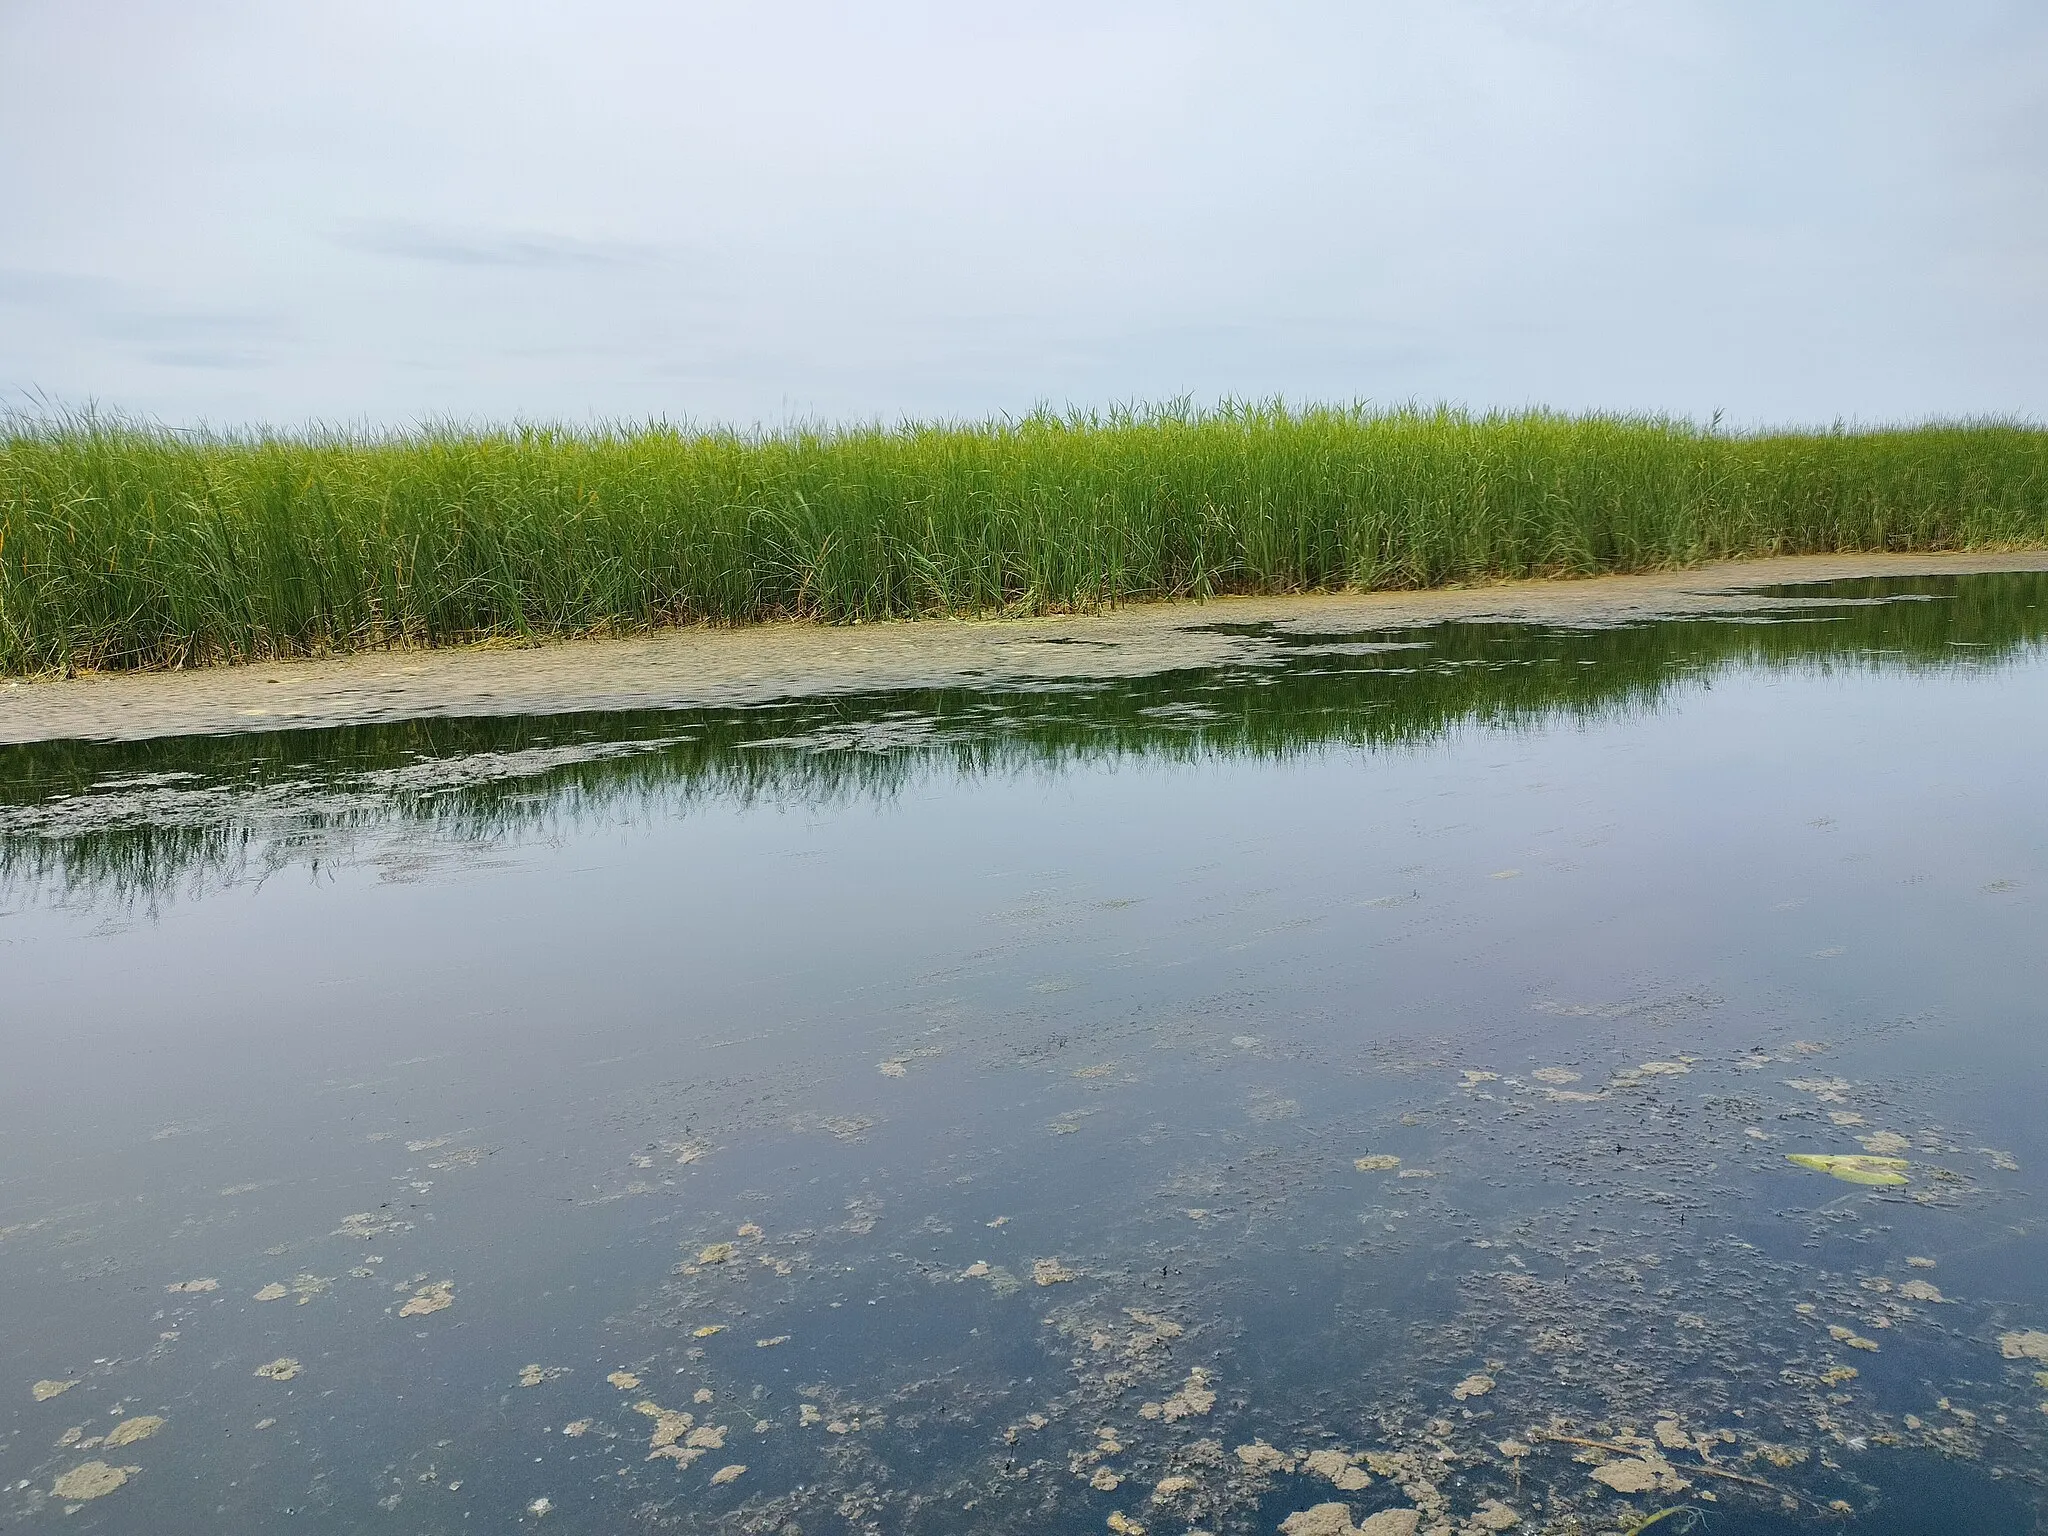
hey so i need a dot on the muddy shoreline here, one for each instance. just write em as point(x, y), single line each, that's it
point(727, 667)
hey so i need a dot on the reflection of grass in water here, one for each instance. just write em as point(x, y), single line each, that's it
point(141, 820)
point(132, 547)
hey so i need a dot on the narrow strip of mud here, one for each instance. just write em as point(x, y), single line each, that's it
point(700, 667)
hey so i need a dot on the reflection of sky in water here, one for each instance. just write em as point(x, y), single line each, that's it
point(1135, 1012)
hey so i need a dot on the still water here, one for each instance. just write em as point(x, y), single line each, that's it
point(1354, 1088)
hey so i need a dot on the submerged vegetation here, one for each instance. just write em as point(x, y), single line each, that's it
point(123, 546)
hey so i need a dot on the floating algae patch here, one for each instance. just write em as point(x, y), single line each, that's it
point(367, 1226)
point(128, 1431)
point(304, 1287)
point(1639, 1475)
point(1391, 1522)
point(2030, 1344)
point(1193, 1398)
point(282, 1369)
point(43, 1391)
point(670, 1424)
point(1261, 1457)
point(1854, 1168)
point(437, 1296)
point(91, 1480)
point(1338, 1467)
point(1331, 1519)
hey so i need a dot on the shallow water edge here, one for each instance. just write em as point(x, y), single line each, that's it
point(710, 667)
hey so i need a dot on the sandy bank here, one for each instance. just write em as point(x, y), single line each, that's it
point(683, 668)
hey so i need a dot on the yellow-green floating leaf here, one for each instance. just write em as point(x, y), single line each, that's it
point(1854, 1167)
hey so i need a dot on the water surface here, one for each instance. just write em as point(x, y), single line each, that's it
point(1364, 1074)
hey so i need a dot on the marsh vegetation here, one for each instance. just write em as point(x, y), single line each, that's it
point(130, 547)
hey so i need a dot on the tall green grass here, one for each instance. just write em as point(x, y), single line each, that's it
point(132, 547)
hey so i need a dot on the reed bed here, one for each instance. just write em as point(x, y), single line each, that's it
point(127, 546)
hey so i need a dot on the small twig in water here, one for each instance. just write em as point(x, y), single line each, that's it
point(1692, 1519)
point(1623, 1450)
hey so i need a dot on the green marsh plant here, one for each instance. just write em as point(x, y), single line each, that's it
point(124, 546)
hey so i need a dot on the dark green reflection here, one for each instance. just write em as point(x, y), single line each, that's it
point(140, 821)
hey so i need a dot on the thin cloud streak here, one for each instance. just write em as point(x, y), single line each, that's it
point(479, 248)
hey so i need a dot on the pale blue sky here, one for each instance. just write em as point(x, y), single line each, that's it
point(238, 211)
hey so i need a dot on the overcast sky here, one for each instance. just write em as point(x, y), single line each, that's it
point(241, 211)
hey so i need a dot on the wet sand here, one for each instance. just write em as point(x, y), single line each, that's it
point(688, 668)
